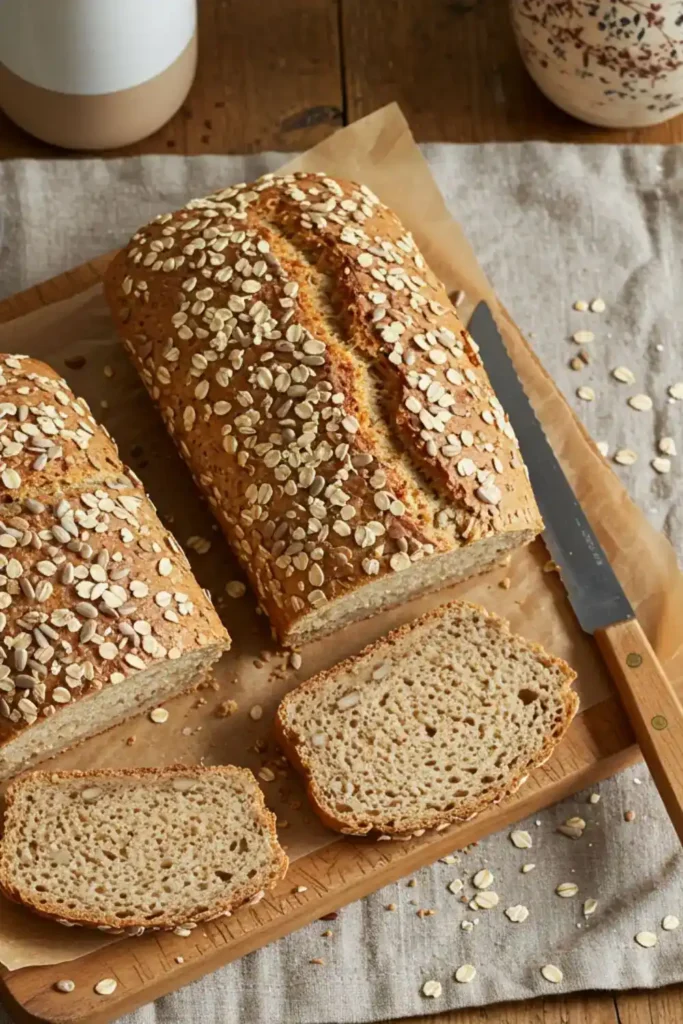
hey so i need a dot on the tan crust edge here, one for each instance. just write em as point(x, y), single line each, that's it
point(354, 826)
point(263, 816)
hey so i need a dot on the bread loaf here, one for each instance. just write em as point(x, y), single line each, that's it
point(325, 395)
point(431, 725)
point(138, 849)
point(100, 615)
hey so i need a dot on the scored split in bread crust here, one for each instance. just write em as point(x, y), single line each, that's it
point(263, 818)
point(302, 754)
point(325, 395)
point(93, 589)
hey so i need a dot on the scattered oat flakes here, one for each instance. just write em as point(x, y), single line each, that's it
point(526, 868)
point(483, 879)
point(625, 457)
point(646, 939)
point(505, 583)
point(589, 907)
point(182, 932)
point(411, 883)
point(594, 798)
point(301, 888)
point(455, 886)
point(66, 985)
point(585, 393)
point(317, 960)
point(567, 889)
point(552, 973)
point(226, 708)
point(390, 906)
point(158, 716)
point(432, 989)
point(517, 914)
point(180, 959)
point(641, 403)
point(670, 923)
point(667, 445)
point(624, 375)
point(598, 306)
point(603, 448)
point(676, 391)
point(576, 363)
point(458, 298)
point(629, 815)
point(105, 987)
point(584, 356)
point(486, 900)
point(256, 713)
point(576, 822)
point(109, 371)
point(266, 775)
point(327, 933)
point(235, 588)
point(521, 839)
point(581, 305)
point(295, 660)
point(661, 464)
point(449, 859)
point(467, 926)
point(583, 337)
point(465, 974)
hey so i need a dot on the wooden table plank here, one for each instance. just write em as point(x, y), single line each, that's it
point(454, 67)
point(268, 78)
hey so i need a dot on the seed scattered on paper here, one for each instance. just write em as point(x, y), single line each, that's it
point(581, 305)
point(629, 815)
point(667, 445)
point(465, 974)
point(676, 391)
point(625, 457)
point(158, 716)
point(526, 868)
point(589, 907)
point(576, 363)
point(583, 337)
point(594, 798)
point(467, 926)
point(521, 839)
point(449, 859)
point(552, 973)
point(180, 959)
point(661, 464)
point(603, 448)
point(456, 886)
point(585, 393)
point(641, 403)
point(624, 375)
point(598, 306)
point(432, 989)
point(670, 923)
point(646, 939)
point(567, 889)
point(517, 914)
point(483, 879)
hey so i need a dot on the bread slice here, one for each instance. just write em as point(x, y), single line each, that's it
point(138, 849)
point(430, 725)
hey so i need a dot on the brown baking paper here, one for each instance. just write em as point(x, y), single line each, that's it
point(380, 151)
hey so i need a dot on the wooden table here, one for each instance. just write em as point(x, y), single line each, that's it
point(283, 74)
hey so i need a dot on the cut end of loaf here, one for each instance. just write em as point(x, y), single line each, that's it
point(441, 719)
point(139, 849)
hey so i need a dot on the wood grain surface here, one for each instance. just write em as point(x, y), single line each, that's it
point(282, 74)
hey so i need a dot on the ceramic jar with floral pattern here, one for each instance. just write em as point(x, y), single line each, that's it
point(617, 65)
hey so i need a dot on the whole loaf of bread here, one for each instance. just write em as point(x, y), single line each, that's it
point(325, 395)
point(100, 615)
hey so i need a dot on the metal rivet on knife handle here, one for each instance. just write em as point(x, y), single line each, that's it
point(634, 660)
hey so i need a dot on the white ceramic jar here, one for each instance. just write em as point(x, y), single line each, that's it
point(95, 74)
point(613, 63)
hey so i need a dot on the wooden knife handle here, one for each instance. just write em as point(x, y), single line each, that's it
point(653, 708)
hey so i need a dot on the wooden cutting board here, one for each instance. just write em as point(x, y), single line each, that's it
point(598, 744)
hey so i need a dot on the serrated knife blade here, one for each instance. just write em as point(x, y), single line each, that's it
point(594, 591)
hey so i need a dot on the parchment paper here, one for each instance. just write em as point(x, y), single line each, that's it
point(379, 151)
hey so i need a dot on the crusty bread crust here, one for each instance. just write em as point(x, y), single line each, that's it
point(110, 922)
point(323, 391)
point(353, 825)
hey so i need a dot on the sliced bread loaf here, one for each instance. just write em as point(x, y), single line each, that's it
point(138, 849)
point(430, 725)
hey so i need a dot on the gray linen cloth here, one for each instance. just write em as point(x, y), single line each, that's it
point(550, 224)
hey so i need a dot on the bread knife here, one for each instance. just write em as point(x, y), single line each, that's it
point(595, 594)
